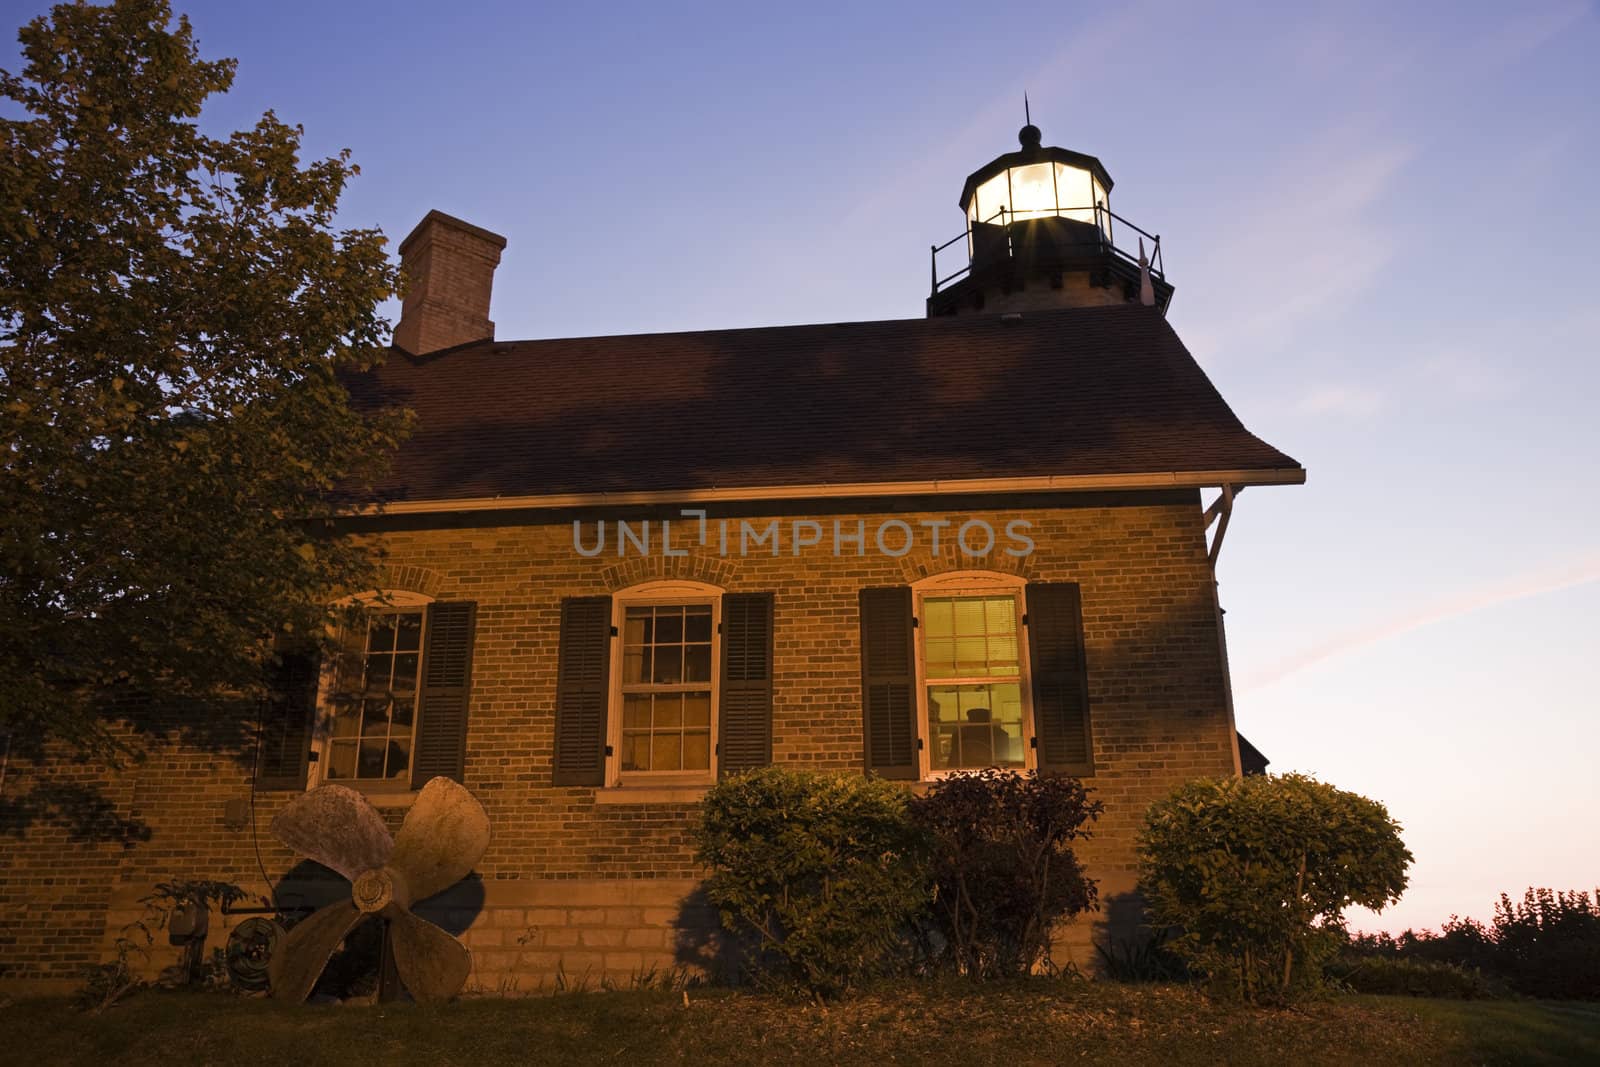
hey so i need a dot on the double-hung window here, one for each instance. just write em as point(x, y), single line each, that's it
point(974, 669)
point(372, 708)
point(974, 708)
point(663, 684)
point(667, 658)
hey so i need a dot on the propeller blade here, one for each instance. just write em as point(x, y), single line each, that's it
point(432, 964)
point(337, 827)
point(444, 836)
point(300, 958)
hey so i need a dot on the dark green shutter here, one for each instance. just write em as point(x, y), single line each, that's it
point(287, 714)
point(583, 688)
point(441, 740)
point(744, 727)
point(888, 682)
point(1060, 681)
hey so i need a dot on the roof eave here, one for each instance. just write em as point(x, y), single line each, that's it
point(1067, 483)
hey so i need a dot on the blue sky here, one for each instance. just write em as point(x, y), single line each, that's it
point(1380, 220)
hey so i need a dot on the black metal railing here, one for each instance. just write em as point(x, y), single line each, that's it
point(1105, 222)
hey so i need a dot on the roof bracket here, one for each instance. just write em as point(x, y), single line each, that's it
point(1222, 508)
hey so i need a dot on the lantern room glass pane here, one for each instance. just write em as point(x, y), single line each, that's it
point(1076, 189)
point(991, 196)
point(1103, 199)
point(1033, 193)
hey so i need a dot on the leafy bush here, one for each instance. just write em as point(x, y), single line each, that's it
point(822, 871)
point(1545, 945)
point(1548, 944)
point(1258, 872)
point(1003, 869)
point(1411, 978)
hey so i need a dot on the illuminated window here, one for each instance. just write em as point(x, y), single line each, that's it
point(974, 681)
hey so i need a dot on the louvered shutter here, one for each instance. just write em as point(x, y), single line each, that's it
point(441, 740)
point(583, 684)
point(1060, 682)
point(744, 727)
point(888, 682)
point(287, 714)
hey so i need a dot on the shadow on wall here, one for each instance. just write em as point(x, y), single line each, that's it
point(83, 811)
point(700, 943)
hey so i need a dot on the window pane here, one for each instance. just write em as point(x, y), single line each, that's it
point(938, 618)
point(633, 627)
point(970, 656)
point(669, 712)
point(380, 633)
point(400, 715)
point(668, 665)
point(975, 726)
point(636, 711)
point(341, 759)
point(405, 672)
point(697, 663)
point(697, 624)
point(1033, 191)
point(370, 764)
point(636, 665)
point(408, 632)
point(636, 752)
point(399, 758)
point(999, 615)
point(697, 751)
point(665, 751)
point(669, 625)
point(375, 720)
point(697, 709)
point(969, 615)
point(940, 656)
point(346, 716)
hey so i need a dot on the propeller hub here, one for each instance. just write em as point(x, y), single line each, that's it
point(374, 890)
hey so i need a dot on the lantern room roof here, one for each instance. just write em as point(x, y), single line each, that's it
point(1032, 152)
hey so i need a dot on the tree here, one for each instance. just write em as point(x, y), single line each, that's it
point(1258, 872)
point(176, 311)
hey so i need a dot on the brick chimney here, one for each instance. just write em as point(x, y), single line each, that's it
point(449, 266)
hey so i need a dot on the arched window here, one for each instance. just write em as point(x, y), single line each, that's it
point(369, 702)
point(665, 679)
point(974, 694)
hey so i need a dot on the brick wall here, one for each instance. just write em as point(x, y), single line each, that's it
point(601, 881)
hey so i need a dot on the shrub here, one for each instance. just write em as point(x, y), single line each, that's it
point(1003, 869)
point(1411, 978)
point(1548, 944)
point(1545, 945)
point(822, 871)
point(1258, 872)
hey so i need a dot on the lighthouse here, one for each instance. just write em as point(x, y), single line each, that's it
point(1040, 234)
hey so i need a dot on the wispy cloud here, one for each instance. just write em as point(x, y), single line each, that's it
point(1533, 583)
point(1313, 246)
point(1331, 399)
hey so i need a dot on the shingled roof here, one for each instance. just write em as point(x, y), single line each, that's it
point(1074, 393)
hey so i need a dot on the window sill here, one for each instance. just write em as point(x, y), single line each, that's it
point(651, 794)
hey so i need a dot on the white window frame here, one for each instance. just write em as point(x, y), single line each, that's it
point(392, 600)
point(664, 592)
point(971, 583)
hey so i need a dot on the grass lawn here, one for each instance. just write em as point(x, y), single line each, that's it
point(1037, 1022)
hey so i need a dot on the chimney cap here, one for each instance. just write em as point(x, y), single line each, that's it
point(437, 217)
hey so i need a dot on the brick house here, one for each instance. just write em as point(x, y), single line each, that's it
point(619, 568)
